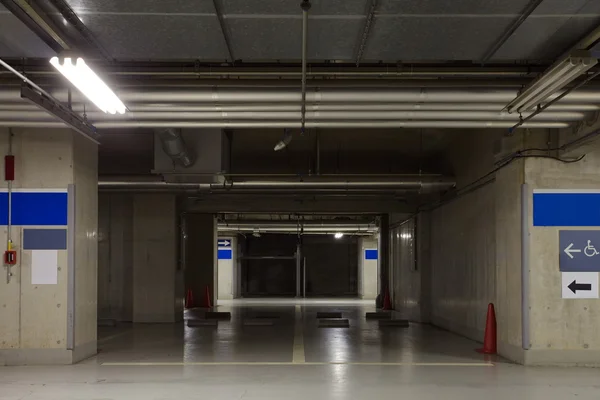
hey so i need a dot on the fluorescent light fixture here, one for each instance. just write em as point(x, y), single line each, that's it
point(552, 80)
point(406, 236)
point(338, 235)
point(89, 84)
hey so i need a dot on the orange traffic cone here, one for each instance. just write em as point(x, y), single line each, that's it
point(489, 340)
point(387, 303)
point(189, 299)
point(208, 302)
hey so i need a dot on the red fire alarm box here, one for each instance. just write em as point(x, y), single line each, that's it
point(10, 257)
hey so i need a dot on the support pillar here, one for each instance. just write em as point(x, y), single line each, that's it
point(48, 304)
point(201, 257)
point(384, 253)
point(155, 267)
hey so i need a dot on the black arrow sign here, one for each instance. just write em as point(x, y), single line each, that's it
point(574, 286)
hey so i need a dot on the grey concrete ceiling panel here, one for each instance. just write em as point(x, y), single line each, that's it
point(261, 39)
point(142, 6)
point(561, 7)
point(545, 38)
point(432, 38)
point(292, 7)
point(16, 40)
point(445, 7)
point(156, 37)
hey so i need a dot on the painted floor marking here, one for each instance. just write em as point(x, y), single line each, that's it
point(259, 363)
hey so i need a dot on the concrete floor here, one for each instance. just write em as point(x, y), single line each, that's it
point(292, 359)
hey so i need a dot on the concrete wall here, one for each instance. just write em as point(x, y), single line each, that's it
point(115, 257)
point(155, 259)
point(35, 327)
point(367, 269)
point(561, 331)
point(462, 242)
point(139, 276)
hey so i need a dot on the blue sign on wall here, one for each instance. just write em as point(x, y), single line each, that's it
point(579, 251)
point(224, 254)
point(370, 254)
point(224, 242)
point(35, 208)
point(566, 208)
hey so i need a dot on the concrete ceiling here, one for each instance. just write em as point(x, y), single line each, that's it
point(269, 30)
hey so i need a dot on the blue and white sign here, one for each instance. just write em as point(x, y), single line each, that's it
point(559, 207)
point(35, 207)
point(579, 251)
point(224, 243)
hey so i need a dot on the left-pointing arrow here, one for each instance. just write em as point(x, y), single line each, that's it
point(574, 286)
point(569, 250)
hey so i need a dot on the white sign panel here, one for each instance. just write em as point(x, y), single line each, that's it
point(44, 267)
point(580, 285)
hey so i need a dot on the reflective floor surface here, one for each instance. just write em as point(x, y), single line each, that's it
point(273, 349)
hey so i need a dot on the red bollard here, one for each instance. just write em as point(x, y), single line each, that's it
point(387, 302)
point(208, 302)
point(490, 340)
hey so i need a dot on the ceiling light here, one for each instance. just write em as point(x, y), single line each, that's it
point(405, 235)
point(552, 80)
point(287, 138)
point(338, 235)
point(89, 84)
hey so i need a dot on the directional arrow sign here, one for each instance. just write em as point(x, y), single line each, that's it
point(579, 251)
point(569, 250)
point(574, 286)
point(224, 243)
point(580, 285)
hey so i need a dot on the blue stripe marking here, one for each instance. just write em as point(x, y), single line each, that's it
point(224, 254)
point(370, 254)
point(31, 208)
point(566, 209)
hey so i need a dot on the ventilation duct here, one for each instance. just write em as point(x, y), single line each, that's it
point(174, 146)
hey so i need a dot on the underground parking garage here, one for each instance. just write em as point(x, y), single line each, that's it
point(293, 198)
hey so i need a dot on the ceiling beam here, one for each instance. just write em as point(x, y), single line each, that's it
point(224, 31)
point(30, 14)
point(370, 17)
point(529, 9)
point(63, 8)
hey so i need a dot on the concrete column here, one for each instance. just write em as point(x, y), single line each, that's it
point(155, 267)
point(48, 305)
point(384, 254)
point(226, 265)
point(560, 330)
point(201, 257)
point(367, 257)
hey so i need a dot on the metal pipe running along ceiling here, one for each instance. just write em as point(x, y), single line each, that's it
point(310, 116)
point(317, 97)
point(290, 124)
point(255, 95)
point(406, 184)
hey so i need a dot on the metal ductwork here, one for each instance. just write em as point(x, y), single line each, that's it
point(174, 146)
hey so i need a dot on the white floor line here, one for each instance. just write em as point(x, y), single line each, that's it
point(391, 364)
point(298, 356)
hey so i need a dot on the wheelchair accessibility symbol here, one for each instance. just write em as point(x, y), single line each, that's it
point(590, 250)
